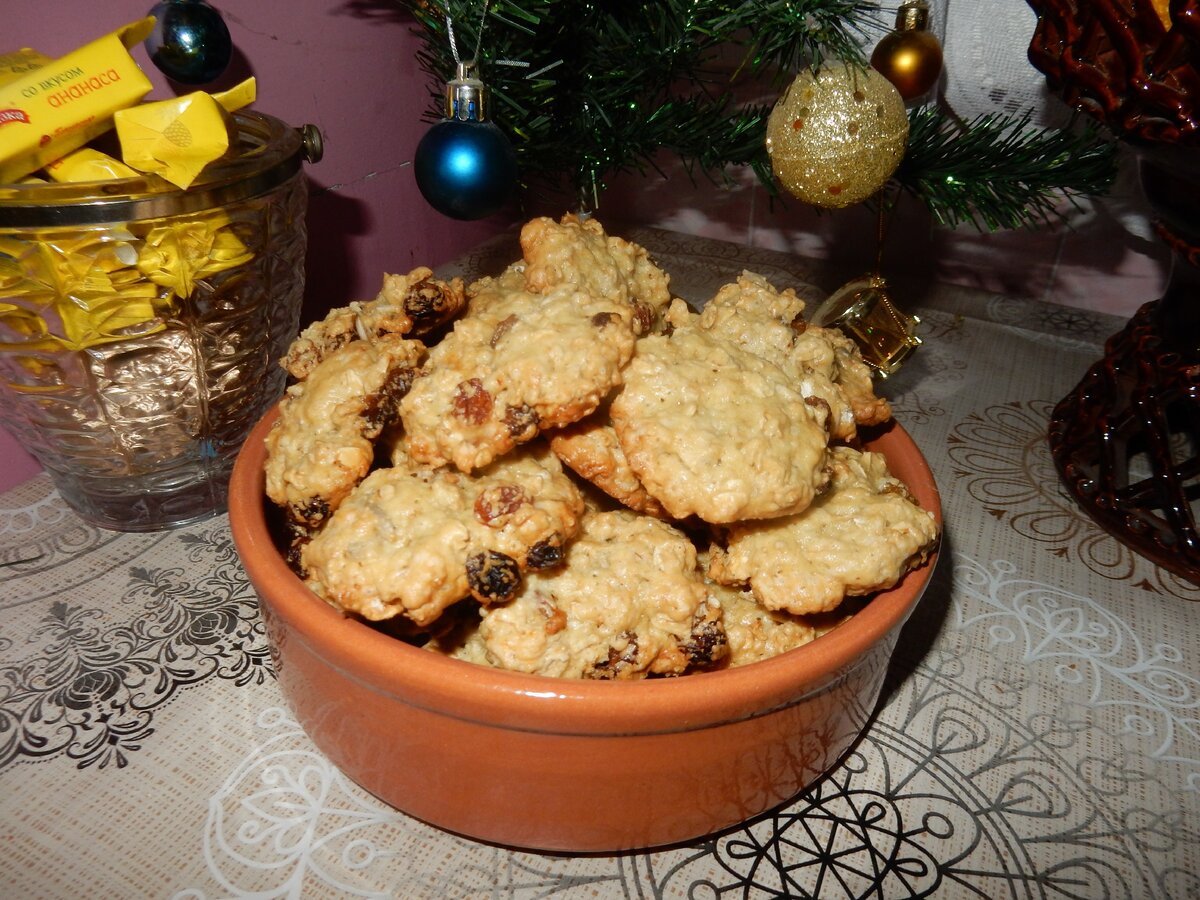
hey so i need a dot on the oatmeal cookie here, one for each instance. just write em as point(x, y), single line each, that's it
point(578, 252)
point(523, 363)
point(853, 376)
point(830, 353)
point(591, 450)
point(630, 602)
point(754, 632)
point(415, 304)
point(750, 295)
point(321, 445)
point(827, 365)
point(411, 541)
point(862, 536)
point(715, 431)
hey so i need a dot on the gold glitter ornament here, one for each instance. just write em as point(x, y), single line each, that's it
point(836, 136)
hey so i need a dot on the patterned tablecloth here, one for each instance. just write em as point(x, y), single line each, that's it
point(1039, 734)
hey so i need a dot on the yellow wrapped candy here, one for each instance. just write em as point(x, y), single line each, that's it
point(177, 138)
point(75, 292)
point(84, 289)
point(86, 164)
point(58, 107)
point(178, 255)
point(20, 63)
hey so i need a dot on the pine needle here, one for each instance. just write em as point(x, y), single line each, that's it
point(996, 172)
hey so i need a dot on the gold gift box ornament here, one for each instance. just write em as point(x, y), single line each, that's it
point(864, 310)
point(75, 289)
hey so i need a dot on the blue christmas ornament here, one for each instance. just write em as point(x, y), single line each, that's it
point(465, 166)
point(190, 42)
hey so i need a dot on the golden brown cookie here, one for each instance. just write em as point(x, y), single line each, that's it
point(754, 632)
point(829, 353)
point(321, 445)
point(411, 541)
point(825, 363)
point(715, 431)
point(416, 304)
point(629, 602)
point(750, 296)
point(579, 252)
point(518, 363)
point(591, 450)
point(861, 536)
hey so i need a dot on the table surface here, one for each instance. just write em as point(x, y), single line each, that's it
point(1039, 733)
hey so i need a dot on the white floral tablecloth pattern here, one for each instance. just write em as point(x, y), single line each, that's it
point(1039, 734)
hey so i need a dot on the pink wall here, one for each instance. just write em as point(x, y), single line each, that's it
point(347, 67)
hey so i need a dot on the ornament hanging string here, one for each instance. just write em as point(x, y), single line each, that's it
point(478, 35)
point(479, 43)
point(886, 198)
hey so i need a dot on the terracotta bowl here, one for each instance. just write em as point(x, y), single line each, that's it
point(565, 765)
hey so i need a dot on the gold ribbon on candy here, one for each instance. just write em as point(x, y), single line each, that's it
point(178, 255)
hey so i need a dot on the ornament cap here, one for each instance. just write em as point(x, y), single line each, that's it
point(466, 95)
point(862, 309)
point(913, 16)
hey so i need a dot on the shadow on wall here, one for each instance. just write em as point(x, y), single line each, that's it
point(388, 12)
point(333, 220)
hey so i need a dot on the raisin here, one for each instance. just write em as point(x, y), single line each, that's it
point(383, 407)
point(706, 644)
point(311, 512)
point(545, 554)
point(472, 402)
point(493, 577)
point(618, 660)
point(499, 501)
point(425, 301)
point(522, 422)
point(299, 535)
point(819, 404)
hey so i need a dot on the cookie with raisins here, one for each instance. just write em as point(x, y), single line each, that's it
point(411, 540)
point(629, 602)
point(321, 445)
point(516, 364)
point(715, 431)
point(862, 536)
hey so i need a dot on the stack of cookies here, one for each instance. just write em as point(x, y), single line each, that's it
point(565, 471)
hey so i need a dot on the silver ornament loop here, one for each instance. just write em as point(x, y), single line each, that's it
point(466, 96)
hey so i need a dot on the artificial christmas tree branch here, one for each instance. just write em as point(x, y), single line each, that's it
point(602, 88)
point(996, 172)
